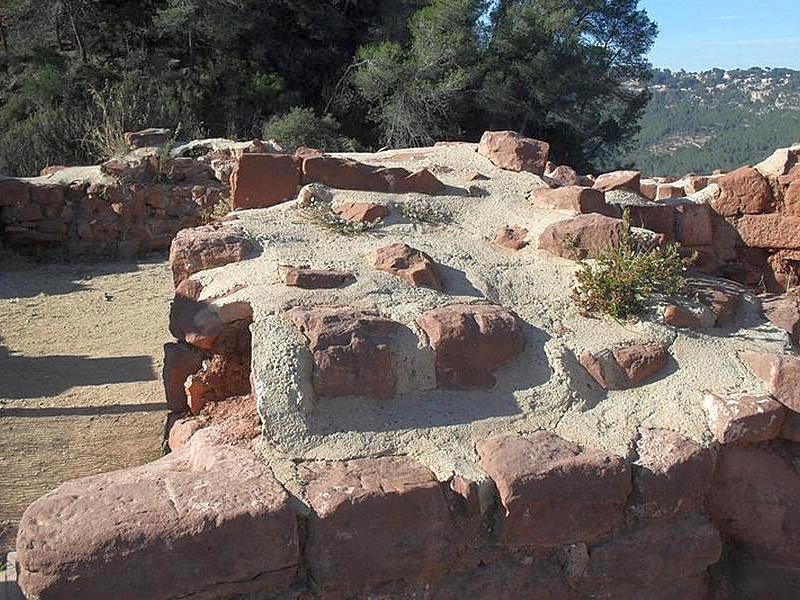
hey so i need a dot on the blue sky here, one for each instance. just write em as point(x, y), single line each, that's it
point(702, 34)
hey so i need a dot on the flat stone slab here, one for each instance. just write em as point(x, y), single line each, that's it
point(136, 533)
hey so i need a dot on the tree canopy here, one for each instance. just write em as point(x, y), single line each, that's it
point(365, 73)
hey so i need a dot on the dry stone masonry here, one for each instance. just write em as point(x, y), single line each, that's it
point(417, 409)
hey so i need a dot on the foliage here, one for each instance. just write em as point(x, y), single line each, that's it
point(339, 74)
point(697, 122)
point(621, 280)
point(302, 127)
point(424, 213)
point(322, 215)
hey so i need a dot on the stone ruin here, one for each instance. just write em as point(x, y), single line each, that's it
point(380, 387)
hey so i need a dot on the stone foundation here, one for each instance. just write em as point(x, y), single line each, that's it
point(429, 416)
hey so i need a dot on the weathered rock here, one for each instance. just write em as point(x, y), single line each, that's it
point(668, 191)
point(312, 279)
point(791, 427)
point(784, 312)
point(219, 378)
point(780, 374)
point(695, 183)
point(744, 191)
point(580, 199)
point(582, 237)
point(661, 552)
point(640, 362)
point(510, 237)
point(157, 531)
point(420, 182)
point(770, 231)
point(619, 180)
point(180, 361)
point(147, 138)
point(625, 366)
point(555, 493)
point(409, 264)
point(680, 317)
point(314, 193)
point(206, 247)
point(215, 329)
point(475, 176)
point(509, 150)
point(721, 296)
point(648, 189)
point(564, 175)
point(520, 578)
point(671, 474)
point(362, 212)
point(350, 349)
point(471, 342)
point(694, 224)
point(182, 431)
point(264, 180)
point(375, 520)
point(743, 419)
point(780, 162)
point(348, 174)
point(754, 500)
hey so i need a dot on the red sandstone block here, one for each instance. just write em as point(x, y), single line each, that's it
point(572, 197)
point(744, 191)
point(348, 174)
point(770, 231)
point(671, 474)
point(743, 418)
point(695, 225)
point(554, 492)
point(755, 497)
point(663, 552)
point(264, 180)
point(14, 192)
point(180, 361)
point(375, 520)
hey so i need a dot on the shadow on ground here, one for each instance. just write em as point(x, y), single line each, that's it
point(38, 376)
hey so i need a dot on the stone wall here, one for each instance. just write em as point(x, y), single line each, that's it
point(234, 509)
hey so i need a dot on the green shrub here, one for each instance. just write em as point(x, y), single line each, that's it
point(621, 280)
point(303, 127)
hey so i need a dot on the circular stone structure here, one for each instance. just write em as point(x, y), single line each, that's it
point(436, 418)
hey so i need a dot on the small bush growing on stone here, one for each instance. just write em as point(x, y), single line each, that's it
point(420, 212)
point(321, 214)
point(620, 280)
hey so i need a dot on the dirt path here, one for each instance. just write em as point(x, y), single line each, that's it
point(80, 371)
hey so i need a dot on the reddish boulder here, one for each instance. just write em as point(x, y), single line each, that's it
point(668, 191)
point(619, 180)
point(582, 237)
point(348, 174)
point(312, 279)
point(219, 378)
point(361, 212)
point(575, 198)
point(743, 191)
point(743, 419)
point(625, 366)
point(640, 362)
point(14, 192)
point(779, 373)
point(654, 557)
point(182, 431)
point(157, 531)
point(471, 342)
point(511, 151)
point(180, 361)
point(409, 264)
point(694, 224)
point(420, 182)
point(648, 189)
point(554, 492)
point(680, 317)
point(791, 198)
point(784, 312)
point(264, 180)
point(791, 427)
point(512, 238)
point(206, 247)
point(770, 231)
point(375, 520)
point(755, 500)
point(721, 296)
point(671, 474)
point(350, 350)
point(564, 175)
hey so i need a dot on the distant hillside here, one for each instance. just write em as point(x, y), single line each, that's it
point(716, 119)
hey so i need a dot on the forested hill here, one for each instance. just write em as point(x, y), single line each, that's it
point(716, 119)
